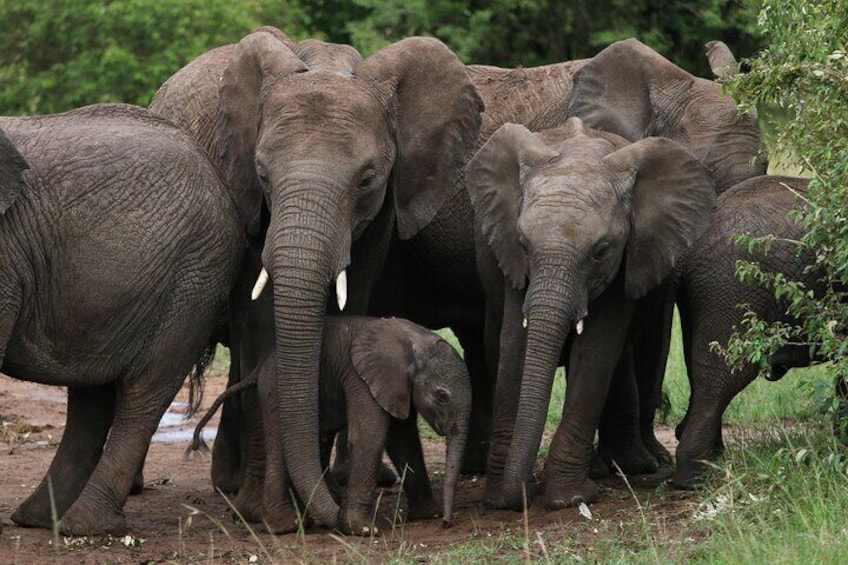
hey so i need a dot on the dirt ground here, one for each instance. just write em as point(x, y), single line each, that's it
point(179, 519)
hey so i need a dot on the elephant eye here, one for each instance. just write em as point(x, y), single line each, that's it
point(442, 395)
point(368, 178)
point(600, 251)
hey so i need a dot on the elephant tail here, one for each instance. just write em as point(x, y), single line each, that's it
point(195, 380)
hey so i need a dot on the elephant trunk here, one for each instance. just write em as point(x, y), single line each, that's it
point(550, 311)
point(304, 255)
point(453, 461)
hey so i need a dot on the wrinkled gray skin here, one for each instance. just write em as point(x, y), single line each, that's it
point(708, 292)
point(376, 373)
point(120, 246)
point(573, 225)
point(318, 134)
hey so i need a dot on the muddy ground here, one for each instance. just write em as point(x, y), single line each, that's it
point(179, 519)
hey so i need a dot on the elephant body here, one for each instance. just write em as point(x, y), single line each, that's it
point(708, 295)
point(376, 375)
point(120, 247)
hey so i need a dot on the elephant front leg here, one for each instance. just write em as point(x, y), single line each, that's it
point(593, 359)
point(248, 502)
point(619, 438)
point(404, 448)
point(90, 413)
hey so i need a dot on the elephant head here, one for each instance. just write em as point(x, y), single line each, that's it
point(317, 134)
point(564, 211)
point(403, 365)
point(630, 90)
point(12, 167)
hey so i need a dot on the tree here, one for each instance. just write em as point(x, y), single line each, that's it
point(803, 71)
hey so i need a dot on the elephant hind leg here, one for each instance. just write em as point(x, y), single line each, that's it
point(90, 412)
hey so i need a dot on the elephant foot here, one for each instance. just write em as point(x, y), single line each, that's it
point(31, 514)
point(423, 510)
point(560, 495)
point(658, 451)
point(633, 459)
point(248, 507)
point(356, 523)
point(689, 474)
point(83, 520)
point(225, 481)
point(281, 519)
point(510, 499)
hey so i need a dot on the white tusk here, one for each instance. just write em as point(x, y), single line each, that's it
point(261, 281)
point(524, 322)
point(579, 326)
point(341, 289)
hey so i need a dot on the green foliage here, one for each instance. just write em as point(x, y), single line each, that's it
point(803, 72)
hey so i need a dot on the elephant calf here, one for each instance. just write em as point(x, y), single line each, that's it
point(708, 296)
point(376, 373)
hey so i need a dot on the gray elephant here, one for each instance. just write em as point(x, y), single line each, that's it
point(376, 374)
point(574, 227)
point(319, 134)
point(121, 245)
point(708, 295)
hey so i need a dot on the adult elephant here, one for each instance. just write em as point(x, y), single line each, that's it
point(120, 246)
point(318, 134)
point(629, 90)
point(571, 220)
point(709, 294)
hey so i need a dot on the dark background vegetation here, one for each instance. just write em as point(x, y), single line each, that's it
point(60, 54)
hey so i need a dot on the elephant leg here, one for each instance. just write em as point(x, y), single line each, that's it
point(341, 464)
point(248, 501)
point(471, 337)
point(138, 479)
point(226, 450)
point(90, 413)
point(512, 340)
point(619, 439)
point(592, 362)
point(367, 429)
point(403, 445)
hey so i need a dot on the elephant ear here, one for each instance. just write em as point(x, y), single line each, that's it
point(438, 118)
point(722, 61)
point(386, 354)
point(328, 57)
point(494, 179)
point(263, 54)
point(672, 201)
point(612, 92)
point(12, 167)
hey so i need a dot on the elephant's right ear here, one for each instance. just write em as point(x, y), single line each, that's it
point(494, 179)
point(722, 61)
point(12, 167)
point(386, 354)
point(262, 54)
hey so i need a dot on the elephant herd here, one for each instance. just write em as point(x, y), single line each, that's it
point(287, 199)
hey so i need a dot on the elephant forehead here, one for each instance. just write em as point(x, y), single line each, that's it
point(324, 96)
point(580, 183)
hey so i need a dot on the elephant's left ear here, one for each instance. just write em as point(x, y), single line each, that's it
point(672, 203)
point(386, 354)
point(12, 167)
point(438, 117)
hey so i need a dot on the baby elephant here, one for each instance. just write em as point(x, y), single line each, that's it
point(376, 374)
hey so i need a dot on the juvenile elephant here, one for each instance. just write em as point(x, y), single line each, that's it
point(708, 295)
point(318, 134)
point(376, 375)
point(120, 247)
point(574, 227)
